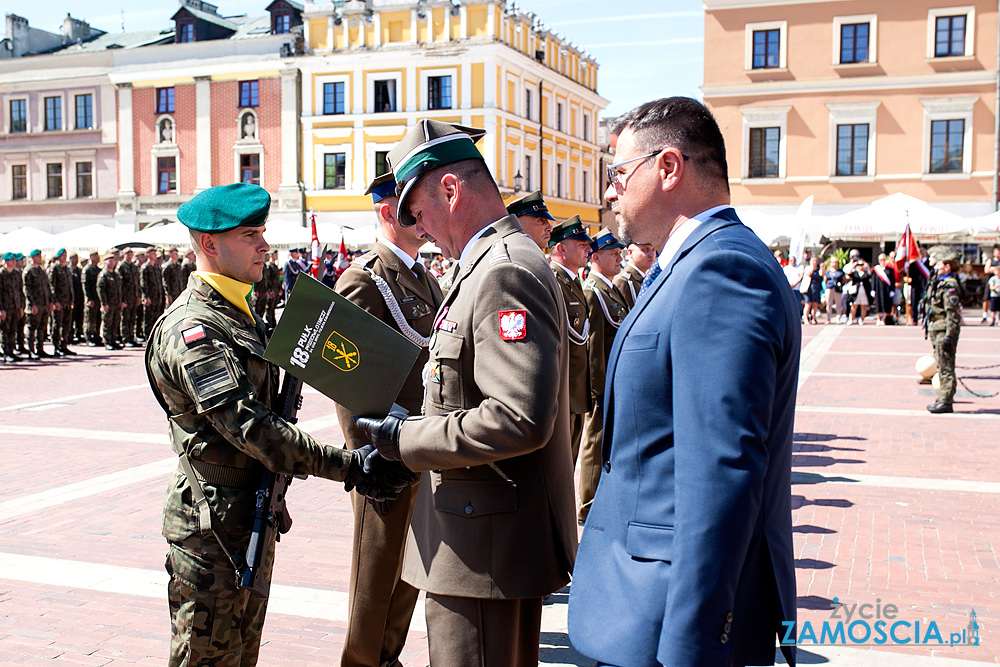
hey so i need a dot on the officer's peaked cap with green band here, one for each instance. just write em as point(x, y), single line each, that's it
point(383, 186)
point(605, 239)
point(427, 145)
point(569, 229)
point(226, 207)
point(530, 204)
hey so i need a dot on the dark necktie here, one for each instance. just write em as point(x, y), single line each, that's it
point(418, 270)
point(654, 271)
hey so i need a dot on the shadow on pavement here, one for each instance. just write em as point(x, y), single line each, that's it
point(556, 649)
point(811, 461)
point(802, 438)
point(801, 501)
point(816, 602)
point(816, 478)
point(818, 530)
point(801, 658)
point(813, 564)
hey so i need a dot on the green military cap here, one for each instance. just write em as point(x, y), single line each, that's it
point(7, 256)
point(226, 207)
point(569, 229)
point(530, 204)
point(605, 239)
point(34, 252)
point(942, 253)
point(383, 186)
point(110, 254)
point(427, 145)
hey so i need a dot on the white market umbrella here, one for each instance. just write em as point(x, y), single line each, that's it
point(886, 218)
point(169, 234)
point(26, 239)
point(90, 237)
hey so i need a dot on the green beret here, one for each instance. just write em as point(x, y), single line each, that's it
point(18, 256)
point(226, 207)
point(427, 145)
point(569, 229)
point(530, 204)
point(605, 239)
point(7, 256)
point(34, 252)
point(60, 253)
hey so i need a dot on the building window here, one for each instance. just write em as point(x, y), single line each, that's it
point(527, 103)
point(586, 127)
point(586, 179)
point(54, 183)
point(527, 172)
point(53, 113)
point(949, 36)
point(185, 32)
point(166, 175)
point(333, 97)
point(381, 164)
point(248, 93)
point(84, 112)
point(19, 181)
point(164, 100)
point(84, 179)
point(852, 150)
point(947, 146)
point(854, 43)
point(559, 180)
point(766, 49)
point(335, 171)
point(439, 92)
point(385, 95)
point(18, 116)
point(250, 168)
point(282, 24)
point(764, 145)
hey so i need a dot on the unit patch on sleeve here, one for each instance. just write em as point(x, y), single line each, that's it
point(513, 324)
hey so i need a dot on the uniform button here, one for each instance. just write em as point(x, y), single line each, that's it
point(727, 627)
point(607, 466)
point(723, 638)
point(469, 509)
point(729, 617)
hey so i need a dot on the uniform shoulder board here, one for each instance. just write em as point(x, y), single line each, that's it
point(365, 259)
point(499, 253)
point(590, 283)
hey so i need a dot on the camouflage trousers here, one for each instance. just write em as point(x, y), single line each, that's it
point(212, 622)
point(151, 313)
point(37, 326)
point(62, 325)
point(945, 359)
point(78, 308)
point(19, 329)
point(8, 332)
point(128, 321)
point(92, 320)
point(111, 327)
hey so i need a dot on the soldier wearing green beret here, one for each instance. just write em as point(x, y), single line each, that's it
point(39, 297)
point(943, 322)
point(61, 283)
point(10, 308)
point(22, 302)
point(206, 367)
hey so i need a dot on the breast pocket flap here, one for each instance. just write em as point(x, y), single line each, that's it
point(475, 498)
point(449, 345)
point(641, 341)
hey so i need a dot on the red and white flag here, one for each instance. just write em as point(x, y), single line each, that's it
point(342, 262)
point(315, 251)
point(907, 251)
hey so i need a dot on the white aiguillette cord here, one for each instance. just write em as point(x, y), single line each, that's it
point(397, 315)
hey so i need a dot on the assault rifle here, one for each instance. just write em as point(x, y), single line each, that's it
point(269, 512)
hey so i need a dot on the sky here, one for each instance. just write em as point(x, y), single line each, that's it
point(646, 49)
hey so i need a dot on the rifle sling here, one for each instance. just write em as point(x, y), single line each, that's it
point(240, 478)
point(209, 521)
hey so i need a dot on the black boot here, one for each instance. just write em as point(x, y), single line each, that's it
point(42, 354)
point(32, 356)
point(68, 352)
point(938, 407)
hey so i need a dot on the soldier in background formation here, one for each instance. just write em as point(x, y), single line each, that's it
point(39, 295)
point(188, 266)
point(640, 256)
point(109, 290)
point(153, 294)
point(173, 277)
point(61, 284)
point(11, 309)
point(77, 272)
point(943, 322)
point(19, 284)
point(92, 316)
point(128, 274)
point(267, 290)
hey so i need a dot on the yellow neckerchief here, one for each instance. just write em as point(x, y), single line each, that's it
point(232, 290)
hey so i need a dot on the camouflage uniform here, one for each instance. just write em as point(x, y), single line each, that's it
point(22, 304)
point(187, 268)
point(151, 283)
point(272, 273)
point(448, 278)
point(92, 315)
point(61, 282)
point(78, 304)
point(173, 280)
point(217, 390)
point(944, 316)
point(109, 288)
point(128, 273)
point(10, 303)
point(36, 289)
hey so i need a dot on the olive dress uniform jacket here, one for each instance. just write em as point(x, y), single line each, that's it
point(494, 516)
point(629, 282)
point(607, 308)
point(577, 331)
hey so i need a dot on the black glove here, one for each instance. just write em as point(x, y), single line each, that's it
point(948, 343)
point(391, 475)
point(355, 476)
point(383, 433)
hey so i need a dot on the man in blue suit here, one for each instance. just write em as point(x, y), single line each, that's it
point(686, 557)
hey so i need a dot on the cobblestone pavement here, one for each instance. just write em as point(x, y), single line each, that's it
point(891, 504)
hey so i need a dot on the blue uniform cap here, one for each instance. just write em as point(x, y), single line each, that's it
point(605, 239)
point(383, 186)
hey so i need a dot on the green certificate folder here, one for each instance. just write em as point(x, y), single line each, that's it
point(340, 349)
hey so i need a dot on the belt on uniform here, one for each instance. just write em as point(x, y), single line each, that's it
point(218, 475)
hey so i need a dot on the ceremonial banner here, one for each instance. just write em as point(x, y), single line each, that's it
point(340, 349)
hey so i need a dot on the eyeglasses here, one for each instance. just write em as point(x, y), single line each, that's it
point(615, 177)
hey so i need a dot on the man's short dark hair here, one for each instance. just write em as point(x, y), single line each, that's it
point(685, 124)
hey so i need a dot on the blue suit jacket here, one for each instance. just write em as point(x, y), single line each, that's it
point(686, 557)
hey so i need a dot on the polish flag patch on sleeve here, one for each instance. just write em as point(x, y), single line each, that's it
point(513, 324)
point(194, 334)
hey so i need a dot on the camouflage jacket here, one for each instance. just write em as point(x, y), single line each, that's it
point(9, 299)
point(61, 282)
point(90, 275)
point(109, 289)
point(272, 277)
point(944, 308)
point(173, 279)
point(128, 272)
point(77, 274)
point(18, 280)
point(187, 268)
point(151, 282)
point(205, 364)
point(36, 287)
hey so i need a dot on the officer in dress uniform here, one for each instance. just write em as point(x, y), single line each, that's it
point(639, 257)
point(534, 216)
point(389, 282)
point(569, 248)
point(943, 310)
point(606, 308)
point(204, 361)
point(39, 304)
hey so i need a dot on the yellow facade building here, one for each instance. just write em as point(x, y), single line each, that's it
point(374, 68)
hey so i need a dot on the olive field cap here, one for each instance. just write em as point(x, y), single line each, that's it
point(606, 239)
point(530, 204)
point(225, 207)
point(942, 253)
point(427, 145)
point(383, 186)
point(569, 229)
